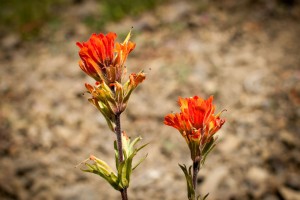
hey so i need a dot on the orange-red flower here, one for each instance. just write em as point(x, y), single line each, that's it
point(103, 59)
point(196, 122)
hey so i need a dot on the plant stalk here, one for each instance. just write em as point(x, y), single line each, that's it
point(124, 194)
point(119, 137)
point(196, 169)
point(120, 149)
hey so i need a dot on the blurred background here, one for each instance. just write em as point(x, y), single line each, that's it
point(245, 53)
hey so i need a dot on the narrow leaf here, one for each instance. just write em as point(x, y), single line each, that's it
point(142, 160)
point(189, 181)
point(141, 147)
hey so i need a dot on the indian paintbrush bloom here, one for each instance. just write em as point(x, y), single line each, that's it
point(104, 60)
point(196, 122)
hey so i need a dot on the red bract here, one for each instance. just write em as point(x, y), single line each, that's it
point(102, 58)
point(196, 122)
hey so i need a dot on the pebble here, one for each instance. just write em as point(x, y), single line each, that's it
point(229, 144)
point(10, 41)
point(213, 179)
point(289, 194)
point(257, 175)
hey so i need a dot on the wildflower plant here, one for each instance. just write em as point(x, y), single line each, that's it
point(103, 59)
point(198, 124)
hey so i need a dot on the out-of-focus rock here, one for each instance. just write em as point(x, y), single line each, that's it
point(147, 22)
point(213, 180)
point(289, 194)
point(292, 180)
point(229, 144)
point(168, 15)
point(148, 177)
point(288, 138)
point(77, 192)
point(10, 41)
point(257, 175)
point(260, 181)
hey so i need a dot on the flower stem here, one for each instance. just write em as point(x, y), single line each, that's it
point(196, 169)
point(119, 137)
point(124, 194)
point(120, 149)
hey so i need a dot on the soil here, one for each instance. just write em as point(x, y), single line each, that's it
point(245, 55)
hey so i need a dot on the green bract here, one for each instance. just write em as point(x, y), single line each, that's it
point(121, 179)
point(189, 182)
point(113, 99)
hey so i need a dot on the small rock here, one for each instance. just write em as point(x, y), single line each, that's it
point(63, 132)
point(149, 177)
point(288, 138)
point(229, 144)
point(10, 41)
point(169, 16)
point(258, 180)
point(77, 192)
point(292, 180)
point(289, 194)
point(213, 180)
point(146, 22)
point(257, 175)
point(254, 82)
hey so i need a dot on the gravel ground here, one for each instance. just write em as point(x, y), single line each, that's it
point(246, 56)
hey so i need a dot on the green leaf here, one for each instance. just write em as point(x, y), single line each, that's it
point(207, 149)
point(129, 167)
point(118, 93)
point(107, 114)
point(120, 180)
point(123, 182)
point(189, 181)
point(125, 146)
point(199, 197)
point(128, 90)
point(125, 168)
point(132, 144)
point(194, 148)
point(100, 169)
point(116, 154)
point(205, 196)
point(102, 164)
point(107, 93)
point(208, 145)
point(141, 147)
point(141, 160)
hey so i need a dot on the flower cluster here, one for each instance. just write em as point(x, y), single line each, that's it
point(196, 122)
point(104, 60)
